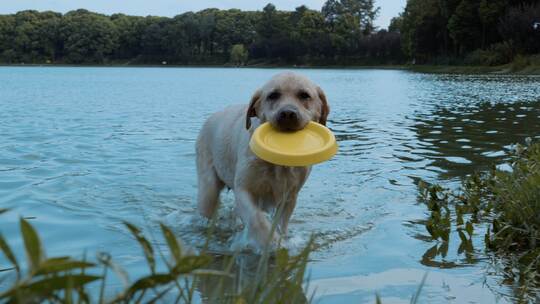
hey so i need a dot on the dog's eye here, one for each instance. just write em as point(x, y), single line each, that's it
point(274, 96)
point(303, 95)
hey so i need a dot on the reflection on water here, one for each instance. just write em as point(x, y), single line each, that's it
point(82, 149)
point(247, 270)
point(460, 140)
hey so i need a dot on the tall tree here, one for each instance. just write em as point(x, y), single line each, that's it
point(363, 12)
point(521, 27)
point(421, 30)
point(465, 26)
point(88, 37)
point(274, 33)
point(7, 33)
point(490, 12)
point(313, 33)
point(130, 30)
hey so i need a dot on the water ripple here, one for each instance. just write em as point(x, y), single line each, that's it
point(83, 149)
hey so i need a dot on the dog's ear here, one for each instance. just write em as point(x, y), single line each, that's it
point(251, 112)
point(325, 109)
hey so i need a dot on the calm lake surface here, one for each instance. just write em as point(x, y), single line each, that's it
point(83, 149)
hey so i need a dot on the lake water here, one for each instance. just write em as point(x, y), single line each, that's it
point(83, 149)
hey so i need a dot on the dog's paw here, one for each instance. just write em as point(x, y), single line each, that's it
point(260, 232)
point(256, 238)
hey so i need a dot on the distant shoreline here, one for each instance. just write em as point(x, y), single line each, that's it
point(431, 69)
point(251, 66)
point(507, 69)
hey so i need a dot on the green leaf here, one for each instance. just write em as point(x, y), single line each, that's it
point(292, 292)
point(8, 253)
point(145, 244)
point(172, 242)
point(282, 258)
point(150, 281)
point(48, 285)
point(32, 244)
point(462, 236)
point(445, 235)
point(461, 247)
point(189, 263)
point(487, 238)
point(430, 254)
point(459, 216)
point(431, 230)
point(496, 226)
point(55, 265)
point(443, 249)
point(469, 228)
point(530, 258)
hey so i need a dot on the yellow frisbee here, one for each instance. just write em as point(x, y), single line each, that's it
point(311, 145)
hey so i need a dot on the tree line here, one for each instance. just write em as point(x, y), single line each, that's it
point(341, 32)
point(488, 32)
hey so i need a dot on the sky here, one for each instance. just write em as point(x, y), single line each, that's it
point(169, 8)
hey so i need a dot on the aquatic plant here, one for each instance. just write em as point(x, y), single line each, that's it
point(279, 279)
point(506, 203)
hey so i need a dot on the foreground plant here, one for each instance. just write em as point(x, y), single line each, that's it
point(68, 280)
point(508, 201)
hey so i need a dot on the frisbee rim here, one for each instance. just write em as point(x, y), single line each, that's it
point(284, 158)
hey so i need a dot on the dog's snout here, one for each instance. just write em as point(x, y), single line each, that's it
point(288, 118)
point(288, 115)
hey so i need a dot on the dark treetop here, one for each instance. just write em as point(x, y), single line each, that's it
point(342, 33)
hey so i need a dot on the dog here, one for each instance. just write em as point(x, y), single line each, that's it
point(288, 101)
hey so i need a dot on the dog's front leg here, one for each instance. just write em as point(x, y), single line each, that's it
point(259, 228)
point(285, 212)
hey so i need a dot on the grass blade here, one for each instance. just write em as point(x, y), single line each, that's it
point(32, 244)
point(172, 242)
point(150, 281)
point(9, 254)
point(56, 265)
point(145, 244)
point(191, 263)
point(416, 296)
point(49, 285)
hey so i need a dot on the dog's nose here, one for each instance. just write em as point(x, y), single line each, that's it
point(288, 115)
point(288, 118)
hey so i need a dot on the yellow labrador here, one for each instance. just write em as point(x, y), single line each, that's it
point(288, 101)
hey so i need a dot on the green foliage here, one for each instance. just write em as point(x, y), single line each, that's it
point(519, 63)
point(464, 26)
point(4, 247)
point(428, 31)
point(207, 36)
point(359, 14)
point(279, 278)
point(496, 54)
point(517, 26)
point(423, 30)
point(507, 201)
point(32, 245)
point(481, 32)
point(87, 37)
point(239, 54)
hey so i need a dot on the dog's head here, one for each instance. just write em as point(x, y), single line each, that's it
point(288, 101)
